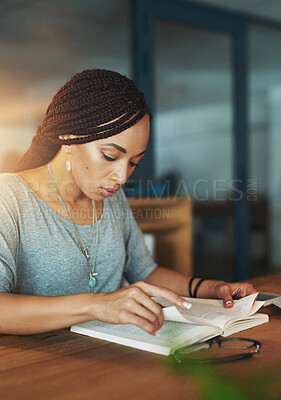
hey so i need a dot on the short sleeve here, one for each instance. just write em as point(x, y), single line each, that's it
point(139, 262)
point(8, 245)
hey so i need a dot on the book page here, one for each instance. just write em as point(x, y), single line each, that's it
point(172, 335)
point(238, 325)
point(168, 332)
point(212, 312)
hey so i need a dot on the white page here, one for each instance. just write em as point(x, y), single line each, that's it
point(211, 311)
point(172, 335)
point(238, 325)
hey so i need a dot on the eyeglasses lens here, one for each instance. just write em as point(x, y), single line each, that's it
point(237, 344)
point(226, 349)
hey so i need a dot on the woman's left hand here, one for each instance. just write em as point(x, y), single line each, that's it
point(231, 291)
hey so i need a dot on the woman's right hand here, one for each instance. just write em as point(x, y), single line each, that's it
point(133, 305)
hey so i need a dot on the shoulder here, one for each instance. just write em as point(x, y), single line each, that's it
point(11, 192)
point(14, 191)
point(9, 184)
point(34, 178)
point(7, 178)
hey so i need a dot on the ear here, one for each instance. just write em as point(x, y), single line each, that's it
point(66, 137)
point(67, 148)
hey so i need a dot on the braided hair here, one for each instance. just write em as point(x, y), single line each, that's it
point(94, 104)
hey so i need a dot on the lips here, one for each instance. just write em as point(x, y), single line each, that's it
point(108, 192)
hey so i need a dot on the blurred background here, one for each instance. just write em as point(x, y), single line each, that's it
point(43, 44)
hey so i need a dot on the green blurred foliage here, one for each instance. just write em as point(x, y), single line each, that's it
point(213, 384)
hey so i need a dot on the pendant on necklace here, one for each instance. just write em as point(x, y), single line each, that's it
point(92, 280)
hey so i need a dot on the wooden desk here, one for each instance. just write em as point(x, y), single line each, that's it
point(64, 365)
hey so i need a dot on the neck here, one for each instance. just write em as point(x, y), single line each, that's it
point(65, 182)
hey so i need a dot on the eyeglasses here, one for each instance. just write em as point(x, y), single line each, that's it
point(233, 349)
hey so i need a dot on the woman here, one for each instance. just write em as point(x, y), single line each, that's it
point(67, 235)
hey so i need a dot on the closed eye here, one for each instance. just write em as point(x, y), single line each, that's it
point(110, 159)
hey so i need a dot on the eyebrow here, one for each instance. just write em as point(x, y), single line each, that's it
point(121, 148)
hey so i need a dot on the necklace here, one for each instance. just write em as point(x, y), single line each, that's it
point(84, 247)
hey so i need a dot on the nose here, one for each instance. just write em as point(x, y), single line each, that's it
point(120, 174)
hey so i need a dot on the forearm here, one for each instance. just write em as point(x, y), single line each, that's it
point(179, 283)
point(23, 315)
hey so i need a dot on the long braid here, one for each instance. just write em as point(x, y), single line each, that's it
point(94, 104)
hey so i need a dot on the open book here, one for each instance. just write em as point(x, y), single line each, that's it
point(267, 298)
point(205, 320)
point(277, 302)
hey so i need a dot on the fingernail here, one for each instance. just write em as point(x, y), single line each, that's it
point(157, 333)
point(228, 302)
point(187, 305)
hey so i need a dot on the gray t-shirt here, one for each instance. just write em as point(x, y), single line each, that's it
point(40, 255)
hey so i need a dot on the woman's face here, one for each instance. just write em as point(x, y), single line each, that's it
point(101, 167)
